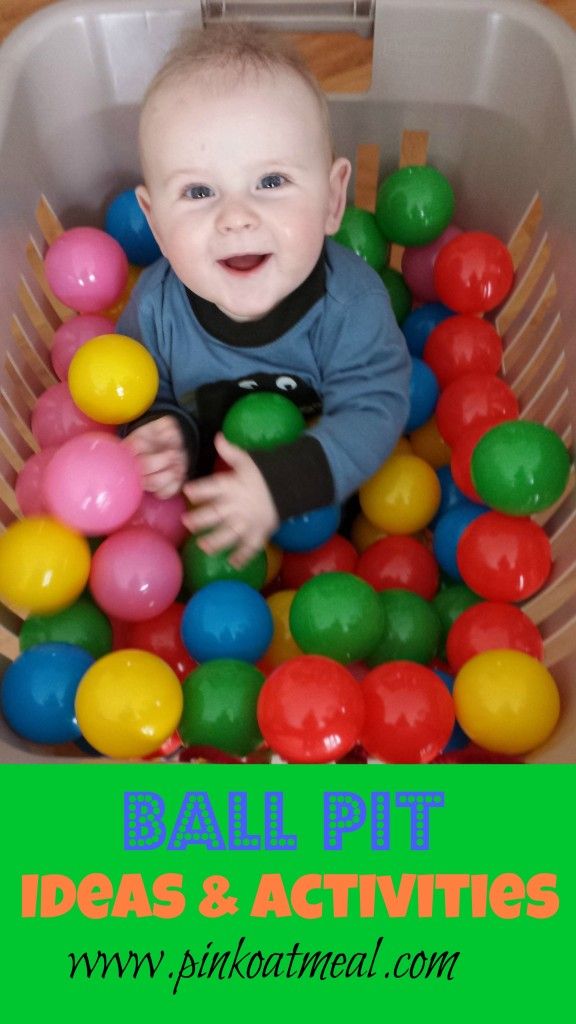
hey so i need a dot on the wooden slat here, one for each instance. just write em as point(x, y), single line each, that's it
point(45, 376)
point(47, 221)
point(21, 386)
point(15, 418)
point(524, 288)
point(517, 346)
point(521, 239)
point(35, 313)
point(366, 176)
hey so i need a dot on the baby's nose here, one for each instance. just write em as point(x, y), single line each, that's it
point(236, 215)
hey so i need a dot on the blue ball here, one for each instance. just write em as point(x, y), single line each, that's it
point(447, 533)
point(126, 223)
point(38, 692)
point(424, 393)
point(308, 531)
point(450, 494)
point(458, 740)
point(420, 323)
point(227, 619)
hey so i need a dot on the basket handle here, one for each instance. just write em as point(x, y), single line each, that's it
point(296, 15)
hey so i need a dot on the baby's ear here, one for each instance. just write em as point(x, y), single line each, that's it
point(339, 177)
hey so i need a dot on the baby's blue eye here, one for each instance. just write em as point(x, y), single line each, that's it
point(272, 181)
point(197, 192)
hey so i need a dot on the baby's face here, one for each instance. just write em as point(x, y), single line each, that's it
point(240, 187)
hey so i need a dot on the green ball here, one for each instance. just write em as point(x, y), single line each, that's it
point(263, 420)
point(414, 205)
point(360, 232)
point(400, 295)
point(220, 699)
point(336, 614)
point(201, 568)
point(449, 603)
point(82, 624)
point(411, 629)
point(520, 467)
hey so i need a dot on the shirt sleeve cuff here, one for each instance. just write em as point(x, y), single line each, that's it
point(298, 476)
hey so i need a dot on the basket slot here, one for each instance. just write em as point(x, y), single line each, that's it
point(49, 224)
point(536, 359)
point(545, 402)
point(8, 496)
point(36, 262)
point(41, 371)
point(23, 389)
point(542, 518)
point(524, 233)
point(10, 626)
point(523, 341)
point(35, 313)
point(552, 598)
point(524, 287)
point(10, 453)
point(15, 417)
point(560, 645)
point(366, 176)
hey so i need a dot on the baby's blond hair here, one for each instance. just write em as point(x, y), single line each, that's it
point(238, 48)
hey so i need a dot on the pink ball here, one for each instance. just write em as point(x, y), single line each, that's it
point(86, 269)
point(92, 484)
point(136, 574)
point(71, 335)
point(28, 487)
point(163, 515)
point(418, 265)
point(56, 418)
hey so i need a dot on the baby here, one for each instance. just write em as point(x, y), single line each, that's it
point(241, 190)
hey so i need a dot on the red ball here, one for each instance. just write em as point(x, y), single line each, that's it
point(461, 458)
point(474, 398)
point(310, 710)
point(504, 558)
point(491, 626)
point(336, 555)
point(473, 273)
point(161, 636)
point(462, 344)
point(409, 713)
point(400, 562)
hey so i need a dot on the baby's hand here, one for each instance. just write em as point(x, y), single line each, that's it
point(161, 454)
point(236, 507)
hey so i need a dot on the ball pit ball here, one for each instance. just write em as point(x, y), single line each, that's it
point(473, 273)
point(44, 566)
point(338, 615)
point(81, 624)
point(335, 555)
point(359, 231)
point(402, 563)
point(70, 335)
point(398, 292)
point(28, 486)
point(163, 515)
point(283, 646)
point(504, 558)
point(461, 458)
point(492, 625)
point(56, 417)
point(448, 530)
point(418, 265)
point(409, 713)
point(161, 636)
point(113, 378)
point(419, 324)
point(309, 530)
point(86, 269)
point(414, 205)
point(410, 631)
point(201, 568)
point(506, 701)
point(402, 496)
point(92, 483)
point(471, 399)
point(227, 619)
point(363, 533)
point(128, 703)
point(136, 574)
point(262, 421)
point(463, 344)
point(520, 468)
point(125, 221)
point(427, 442)
point(220, 700)
point(310, 710)
point(38, 691)
point(450, 602)
point(423, 395)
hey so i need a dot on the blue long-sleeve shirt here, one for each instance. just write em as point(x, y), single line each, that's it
point(332, 346)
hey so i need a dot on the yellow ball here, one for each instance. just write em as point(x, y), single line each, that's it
point(506, 701)
point(274, 556)
point(363, 533)
point(428, 443)
point(283, 645)
point(112, 378)
point(128, 703)
point(44, 565)
point(402, 496)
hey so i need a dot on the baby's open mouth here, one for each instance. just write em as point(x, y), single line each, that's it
point(244, 264)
